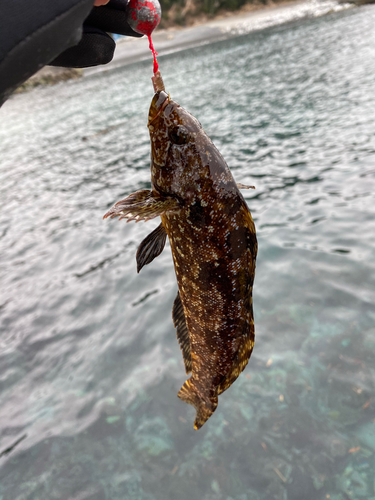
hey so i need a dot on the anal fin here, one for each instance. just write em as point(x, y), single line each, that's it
point(151, 247)
point(183, 338)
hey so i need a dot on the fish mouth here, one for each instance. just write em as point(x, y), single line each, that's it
point(159, 102)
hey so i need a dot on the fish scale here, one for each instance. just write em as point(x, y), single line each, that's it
point(214, 247)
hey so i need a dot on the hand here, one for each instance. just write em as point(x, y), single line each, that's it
point(32, 37)
point(96, 46)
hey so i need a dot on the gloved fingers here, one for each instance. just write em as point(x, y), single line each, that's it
point(112, 18)
point(94, 48)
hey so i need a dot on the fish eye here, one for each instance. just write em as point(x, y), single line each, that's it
point(179, 135)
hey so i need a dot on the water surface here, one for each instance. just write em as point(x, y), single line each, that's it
point(90, 365)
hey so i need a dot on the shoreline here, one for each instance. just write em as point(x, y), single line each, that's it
point(221, 27)
point(202, 31)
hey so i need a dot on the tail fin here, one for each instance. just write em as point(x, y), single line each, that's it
point(205, 406)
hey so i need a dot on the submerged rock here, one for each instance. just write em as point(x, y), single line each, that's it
point(153, 437)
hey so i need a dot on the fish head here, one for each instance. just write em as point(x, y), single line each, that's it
point(177, 138)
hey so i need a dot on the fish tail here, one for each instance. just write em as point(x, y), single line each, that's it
point(205, 406)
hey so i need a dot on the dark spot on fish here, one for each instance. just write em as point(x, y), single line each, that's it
point(179, 135)
point(237, 242)
point(215, 273)
point(206, 272)
point(233, 204)
point(197, 214)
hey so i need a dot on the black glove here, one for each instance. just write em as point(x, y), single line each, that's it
point(95, 46)
point(32, 34)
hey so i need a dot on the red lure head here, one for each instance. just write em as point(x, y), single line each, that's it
point(144, 15)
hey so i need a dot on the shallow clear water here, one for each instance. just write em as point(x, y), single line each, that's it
point(89, 363)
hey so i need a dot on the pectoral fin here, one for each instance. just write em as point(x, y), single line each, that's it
point(179, 322)
point(151, 247)
point(244, 186)
point(142, 205)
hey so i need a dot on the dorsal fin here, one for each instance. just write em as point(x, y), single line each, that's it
point(151, 247)
point(183, 338)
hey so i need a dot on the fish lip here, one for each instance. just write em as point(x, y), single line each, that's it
point(166, 101)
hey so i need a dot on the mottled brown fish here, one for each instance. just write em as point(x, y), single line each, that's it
point(214, 246)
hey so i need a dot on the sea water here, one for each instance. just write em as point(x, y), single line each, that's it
point(89, 362)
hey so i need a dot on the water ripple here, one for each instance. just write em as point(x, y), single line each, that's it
point(90, 365)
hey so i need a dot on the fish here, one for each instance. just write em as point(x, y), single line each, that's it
point(214, 246)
